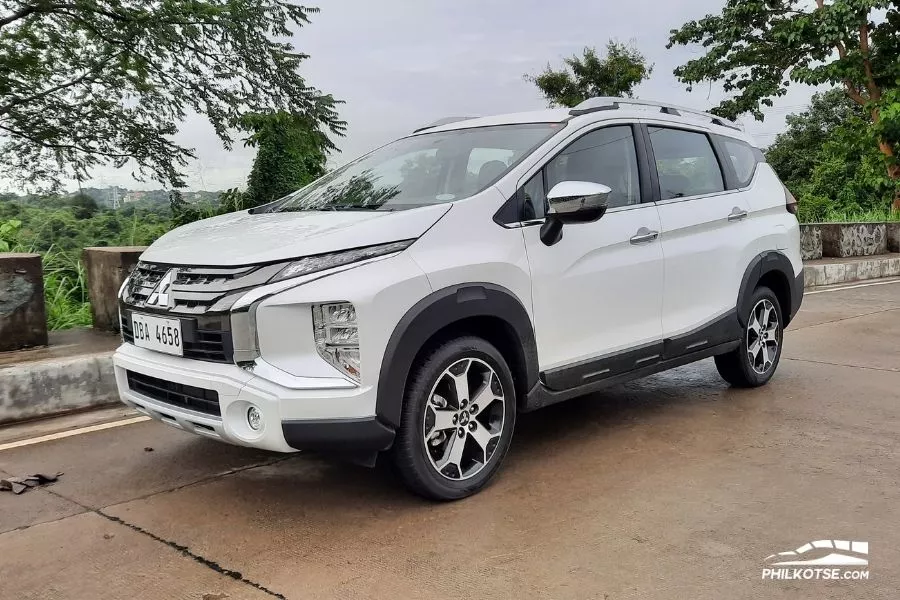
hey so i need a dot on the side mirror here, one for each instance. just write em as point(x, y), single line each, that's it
point(573, 202)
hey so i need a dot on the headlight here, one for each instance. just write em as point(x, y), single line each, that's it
point(337, 336)
point(321, 262)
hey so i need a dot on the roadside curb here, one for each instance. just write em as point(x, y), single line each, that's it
point(53, 386)
point(832, 271)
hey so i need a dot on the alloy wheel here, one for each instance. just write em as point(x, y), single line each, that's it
point(763, 336)
point(464, 419)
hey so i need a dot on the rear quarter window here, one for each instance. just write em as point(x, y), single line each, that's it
point(743, 158)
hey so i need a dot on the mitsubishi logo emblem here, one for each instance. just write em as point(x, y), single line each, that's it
point(160, 294)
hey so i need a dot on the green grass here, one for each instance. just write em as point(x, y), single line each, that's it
point(65, 291)
point(861, 216)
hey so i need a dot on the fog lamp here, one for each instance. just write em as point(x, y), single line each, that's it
point(254, 418)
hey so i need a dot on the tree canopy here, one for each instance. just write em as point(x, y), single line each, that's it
point(794, 153)
point(95, 82)
point(290, 152)
point(828, 158)
point(757, 48)
point(589, 75)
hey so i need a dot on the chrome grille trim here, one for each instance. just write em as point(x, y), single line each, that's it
point(195, 290)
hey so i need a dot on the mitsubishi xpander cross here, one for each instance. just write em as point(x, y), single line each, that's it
point(414, 301)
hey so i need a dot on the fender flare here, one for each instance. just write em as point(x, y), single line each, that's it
point(759, 267)
point(437, 311)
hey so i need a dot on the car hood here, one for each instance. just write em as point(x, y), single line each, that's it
point(242, 238)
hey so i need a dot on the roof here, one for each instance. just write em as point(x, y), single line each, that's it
point(550, 115)
point(624, 109)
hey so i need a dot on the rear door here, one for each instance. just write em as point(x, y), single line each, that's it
point(704, 233)
point(598, 290)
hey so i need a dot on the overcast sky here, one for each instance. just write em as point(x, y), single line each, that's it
point(400, 64)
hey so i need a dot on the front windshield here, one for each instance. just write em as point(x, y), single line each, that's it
point(430, 168)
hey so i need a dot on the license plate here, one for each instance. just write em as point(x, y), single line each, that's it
point(156, 333)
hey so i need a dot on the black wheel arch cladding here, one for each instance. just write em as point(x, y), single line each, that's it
point(441, 310)
point(764, 264)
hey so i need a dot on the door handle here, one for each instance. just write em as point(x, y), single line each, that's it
point(737, 214)
point(643, 236)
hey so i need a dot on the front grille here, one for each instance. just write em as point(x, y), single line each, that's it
point(200, 297)
point(193, 290)
point(175, 394)
point(144, 280)
point(206, 339)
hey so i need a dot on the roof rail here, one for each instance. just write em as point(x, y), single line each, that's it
point(608, 103)
point(444, 121)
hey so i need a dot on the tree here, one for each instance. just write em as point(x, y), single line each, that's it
point(589, 75)
point(8, 230)
point(83, 206)
point(757, 48)
point(96, 82)
point(828, 159)
point(291, 152)
point(795, 152)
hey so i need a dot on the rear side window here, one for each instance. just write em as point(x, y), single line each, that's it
point(743, 159)
point(686, 163)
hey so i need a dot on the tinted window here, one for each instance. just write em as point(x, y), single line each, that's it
point(430, 168)
point(533, 197)
point(742, 157)
point(686, 163)
point(604, 156)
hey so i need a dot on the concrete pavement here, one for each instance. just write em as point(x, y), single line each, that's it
point(675, 486)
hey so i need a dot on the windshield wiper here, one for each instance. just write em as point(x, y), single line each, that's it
point(353, 207)
point(343, 207)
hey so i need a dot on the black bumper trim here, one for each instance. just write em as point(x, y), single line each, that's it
point(797, 294)
point(367, 434)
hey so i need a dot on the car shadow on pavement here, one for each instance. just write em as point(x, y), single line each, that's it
point(573, 428)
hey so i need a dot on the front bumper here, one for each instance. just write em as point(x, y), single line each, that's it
point(298, 413)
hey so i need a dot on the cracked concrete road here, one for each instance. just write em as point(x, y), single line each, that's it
point(674, 486)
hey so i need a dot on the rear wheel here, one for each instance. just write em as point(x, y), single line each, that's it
point(754, 361)
point(459, 412)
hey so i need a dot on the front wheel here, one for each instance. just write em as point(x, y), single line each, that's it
point(754, 361)
point(459, 412)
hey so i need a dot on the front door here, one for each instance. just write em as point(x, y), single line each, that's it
point(598, 291)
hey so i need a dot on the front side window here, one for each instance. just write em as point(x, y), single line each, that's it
point(604, 156)
point(686, 163)
point(534, 199)
point(425, 169)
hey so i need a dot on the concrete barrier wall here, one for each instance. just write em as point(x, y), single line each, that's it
point(37, 389)
point(810, 242)
point(893, 237)
point(107, 269)
point(843, 240)
point(23, 317)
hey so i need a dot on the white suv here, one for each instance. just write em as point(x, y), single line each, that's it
point(415, 300)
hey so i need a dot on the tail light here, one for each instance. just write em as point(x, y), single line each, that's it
point(789, 201)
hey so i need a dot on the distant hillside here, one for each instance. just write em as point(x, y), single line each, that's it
point(112, 196)
point(107, 197)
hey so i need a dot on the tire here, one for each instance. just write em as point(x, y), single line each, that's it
point(426, 455)
point(752, 365)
